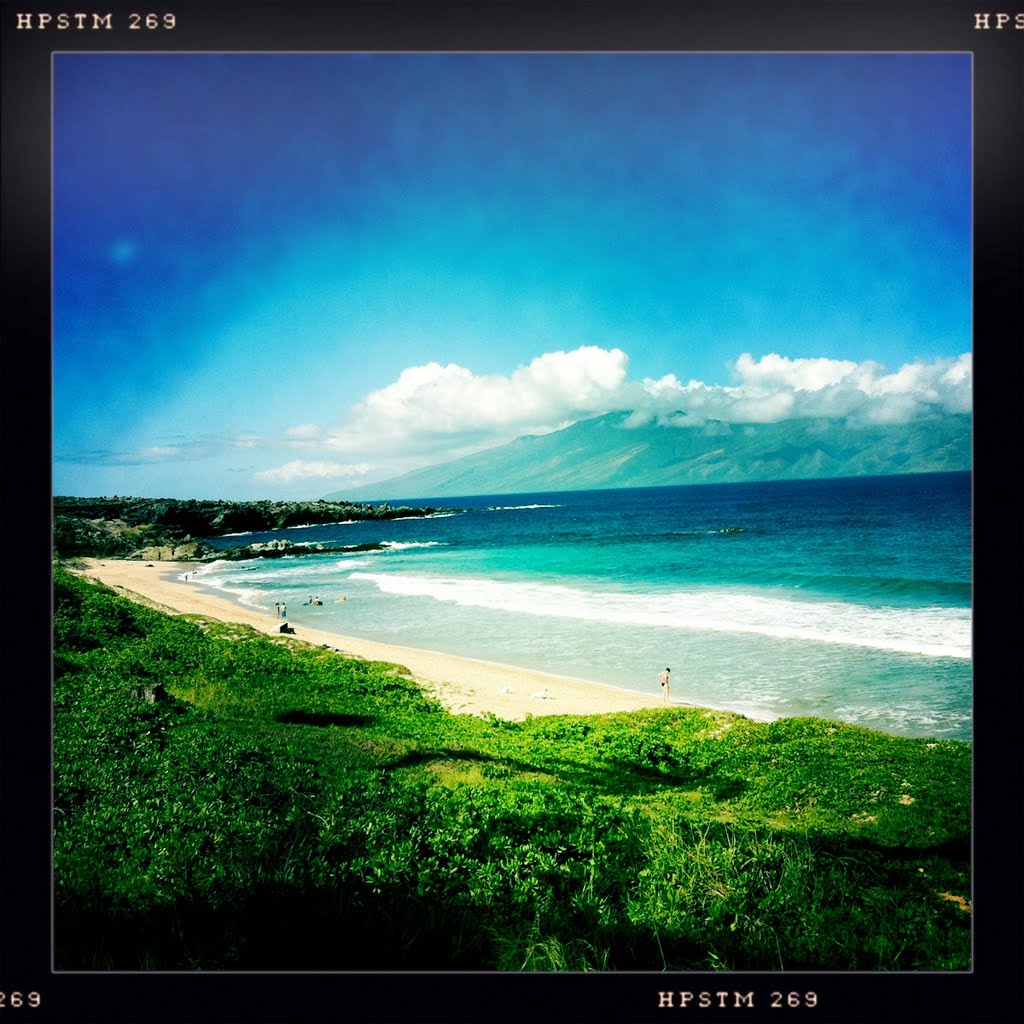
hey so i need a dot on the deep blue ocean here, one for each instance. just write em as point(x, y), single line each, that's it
point(847, 599)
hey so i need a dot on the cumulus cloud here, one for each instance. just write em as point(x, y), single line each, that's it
point(775, 388)
point(553, 390)
point(775, 371)
point(298, 469)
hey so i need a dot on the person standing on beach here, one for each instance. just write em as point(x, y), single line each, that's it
point(277, 605)
point(284, 611)
point(663, 679)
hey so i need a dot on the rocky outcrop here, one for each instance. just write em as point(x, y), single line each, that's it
point(164, 529)
point(280, 548)
point(190, 552)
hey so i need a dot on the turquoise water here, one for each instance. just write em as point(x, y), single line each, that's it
point(847, 599)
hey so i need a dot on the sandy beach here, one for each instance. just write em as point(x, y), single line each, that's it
point(463, 685)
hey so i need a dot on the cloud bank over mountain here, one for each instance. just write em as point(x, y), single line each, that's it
point(436, 412)
point(775, 388)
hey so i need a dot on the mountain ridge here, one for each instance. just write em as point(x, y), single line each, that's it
point(603, 452)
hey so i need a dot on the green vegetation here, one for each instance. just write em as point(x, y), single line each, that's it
point(126, 527)
point(285, 807)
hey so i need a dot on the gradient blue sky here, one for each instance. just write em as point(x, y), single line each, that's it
point(278, 275)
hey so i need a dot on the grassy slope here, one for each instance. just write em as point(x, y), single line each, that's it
point(291, 808)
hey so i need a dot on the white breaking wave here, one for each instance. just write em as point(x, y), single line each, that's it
point(431, 515)
point(277, 573)
point(312, 526)
point(930, 631)
point(903, 716)
point(517, 508)
point(251, 597)
point(387, 547)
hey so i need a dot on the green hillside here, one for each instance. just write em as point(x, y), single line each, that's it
point(227, 800)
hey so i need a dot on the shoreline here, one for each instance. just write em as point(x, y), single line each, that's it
point(464, 685)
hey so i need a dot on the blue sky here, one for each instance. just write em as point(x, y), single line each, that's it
point(278, 275)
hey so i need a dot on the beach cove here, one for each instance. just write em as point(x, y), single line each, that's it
point(844, 600)
point(463, 685)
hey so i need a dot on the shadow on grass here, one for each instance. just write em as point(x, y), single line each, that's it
point(324, 719)
point(419, 757)
point(619, 778)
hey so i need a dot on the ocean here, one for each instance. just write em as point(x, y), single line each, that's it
point(847, 599)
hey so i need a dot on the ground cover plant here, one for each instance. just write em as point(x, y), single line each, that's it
point(281, 806)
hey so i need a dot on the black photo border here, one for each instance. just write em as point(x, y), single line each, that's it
point(992, 989)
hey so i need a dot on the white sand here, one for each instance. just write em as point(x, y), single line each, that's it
point(463, 685)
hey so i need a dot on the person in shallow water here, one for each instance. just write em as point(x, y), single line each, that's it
point(663, 679)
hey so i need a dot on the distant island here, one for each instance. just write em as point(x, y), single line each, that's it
point(175, 529)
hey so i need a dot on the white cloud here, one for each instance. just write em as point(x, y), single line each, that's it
point(154, 453)
point(301, 470)
point(775, 371)
point(553, 389)
point(433, 404)
point(304, 432)
point(775, 388)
